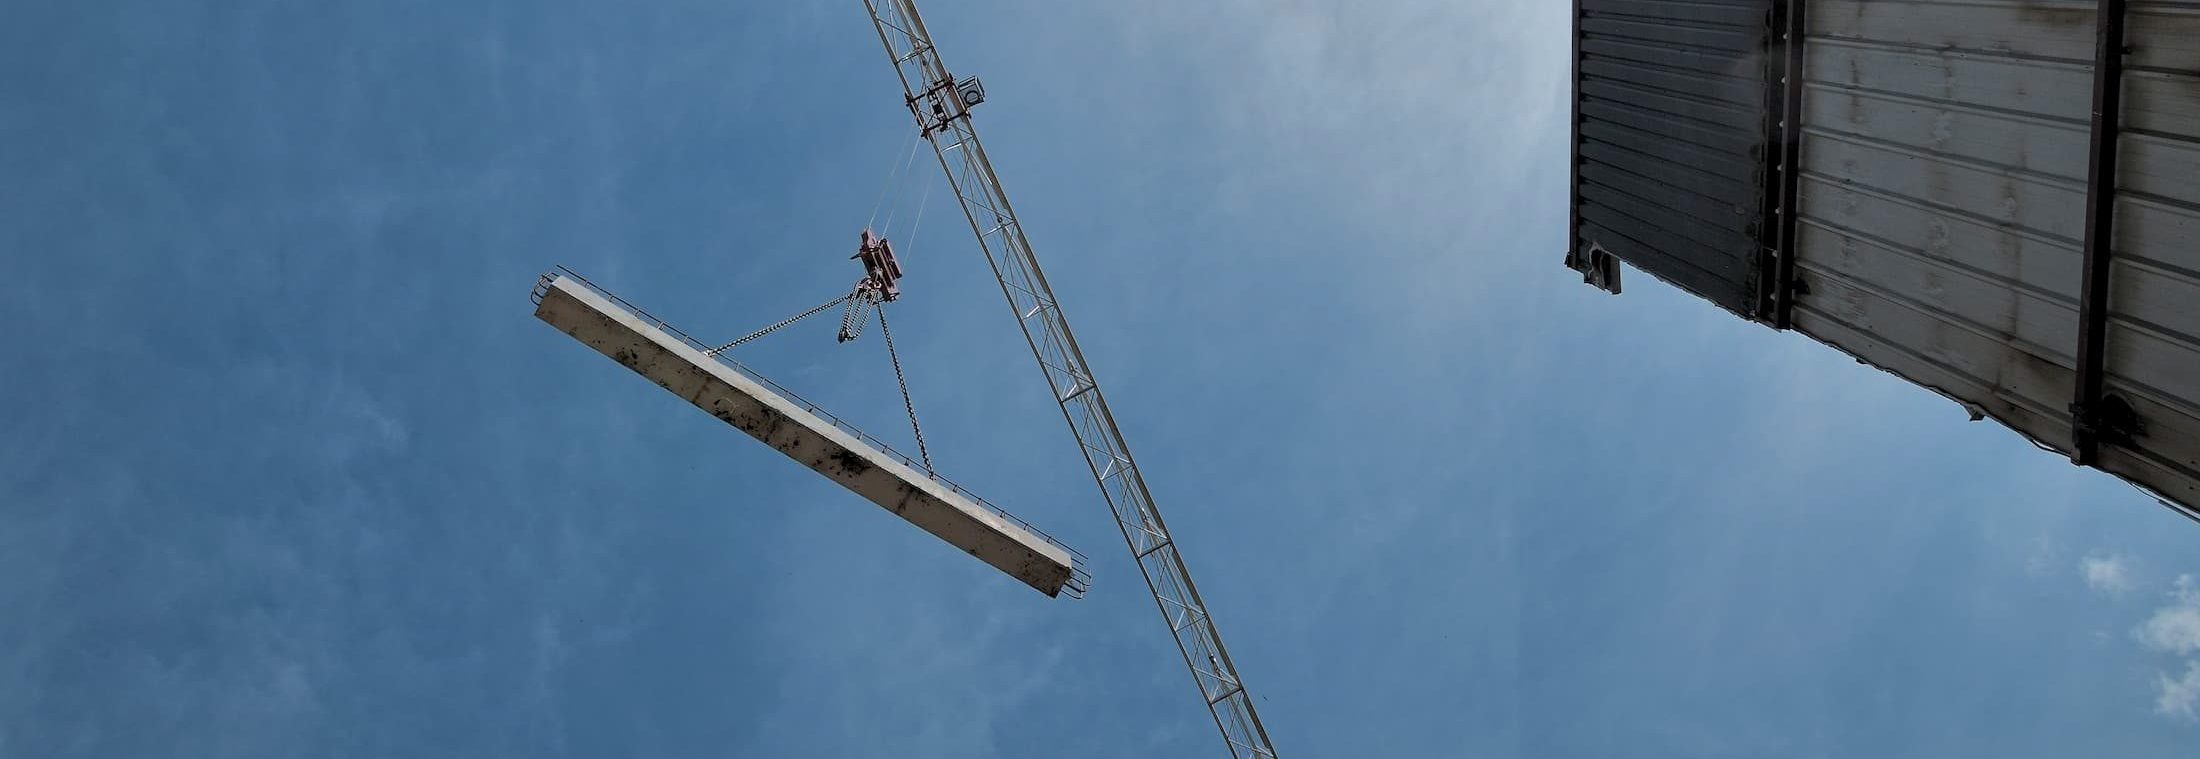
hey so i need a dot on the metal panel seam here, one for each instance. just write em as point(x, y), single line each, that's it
point(1790, 162)
point(2096, 418)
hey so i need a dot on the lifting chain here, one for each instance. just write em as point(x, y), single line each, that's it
point(857, 314)
point(903, 382)
point(784, 323)
point(852, 320)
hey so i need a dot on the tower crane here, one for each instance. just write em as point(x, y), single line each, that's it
point(941, 105)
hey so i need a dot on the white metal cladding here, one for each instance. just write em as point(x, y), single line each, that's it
point(1943, 211)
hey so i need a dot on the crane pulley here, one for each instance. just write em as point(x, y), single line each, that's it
point(880, 284)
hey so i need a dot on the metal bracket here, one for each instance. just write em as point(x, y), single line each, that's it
point(945, 101)
point(2112, 420)
point(1598, 267)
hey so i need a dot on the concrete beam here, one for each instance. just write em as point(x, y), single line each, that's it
point(787, 427)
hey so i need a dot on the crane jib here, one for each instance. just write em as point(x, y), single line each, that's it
point(941, 105)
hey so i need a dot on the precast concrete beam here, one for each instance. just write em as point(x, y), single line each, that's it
point(790, 428)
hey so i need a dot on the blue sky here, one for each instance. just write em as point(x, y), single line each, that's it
point(291, 471)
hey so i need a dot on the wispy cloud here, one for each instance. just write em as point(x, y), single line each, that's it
point(2175, 628)
point(2107, 574)
point(2045, 557)
point(2179, 697)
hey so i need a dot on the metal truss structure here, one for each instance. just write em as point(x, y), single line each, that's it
point(941, 105)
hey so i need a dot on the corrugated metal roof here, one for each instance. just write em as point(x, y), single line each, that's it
point(1671, 119)
point(1943, 202)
